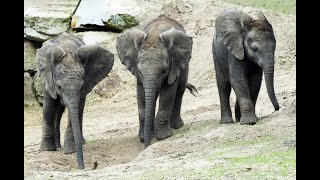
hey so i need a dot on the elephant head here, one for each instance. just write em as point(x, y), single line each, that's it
point(154, 59)
point(69, 70)
point(250, 35)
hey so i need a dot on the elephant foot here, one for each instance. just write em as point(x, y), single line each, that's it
point(248, 120)
point(58, 144)
point(141, 135)
point(238, 116)
point(238, 119)
point(176, 123)
point(69, 147)
point(226, 120)
point(48, 145)
point(83, 140)
point(163, 133)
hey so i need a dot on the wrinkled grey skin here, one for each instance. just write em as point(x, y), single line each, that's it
point(69, 70)
point(158, 57)
point(243, 48)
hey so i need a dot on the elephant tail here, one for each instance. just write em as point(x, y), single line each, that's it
point(193, 90)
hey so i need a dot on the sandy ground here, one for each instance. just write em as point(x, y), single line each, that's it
point(111, 124)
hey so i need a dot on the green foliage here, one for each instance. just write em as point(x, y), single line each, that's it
point(282, 6)
point(122, 21)
point(261, 157)
point(171, 2)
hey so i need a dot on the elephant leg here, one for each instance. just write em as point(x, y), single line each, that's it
point(237, 110)
point(48, 130)
point(239, 83)
point(81, 108)
point(254, 83)
point(224, 89)
point(175, 119)
point(166, 101)
point(58, 116)
point(69, 144)
point(254, 86)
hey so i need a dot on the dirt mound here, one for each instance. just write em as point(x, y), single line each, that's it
point(203, 148)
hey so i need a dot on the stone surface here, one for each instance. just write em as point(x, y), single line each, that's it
point(38, 88)
point(30, 49)
point(109, 86)
point(29, 97)
point(106, 39)
point(45, 19)
point(107, 15)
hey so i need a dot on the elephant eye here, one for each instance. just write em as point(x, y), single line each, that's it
point(59, 87)
point(254, 48)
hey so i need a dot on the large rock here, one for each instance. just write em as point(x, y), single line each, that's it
point(38, 88)
point(106, 39)
point(110, 15)
point(29, 97)
point(30, 49)
point(45, 19)
point(109, 86)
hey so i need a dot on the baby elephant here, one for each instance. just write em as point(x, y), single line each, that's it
point(69, 70)
point(243, 48)
point(158, 57)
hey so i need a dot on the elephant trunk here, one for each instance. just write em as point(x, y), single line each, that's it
point(73, 109)
point(150, 103)
point(268, 71)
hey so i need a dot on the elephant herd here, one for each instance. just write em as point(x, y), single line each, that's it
point(158, 56)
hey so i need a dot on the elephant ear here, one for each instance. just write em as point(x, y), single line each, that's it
point(228, 26)
point(256, 15)
point(180, 49)
point(127, 45)
point(44, 57)
point(98, 63)
point(57, 53)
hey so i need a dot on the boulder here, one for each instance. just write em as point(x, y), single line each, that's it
point(106, 39)
point(105, 15)
point(29, 97)
point(109, 86)
point(38, 87)
point(30, 49)
point(45, 19)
